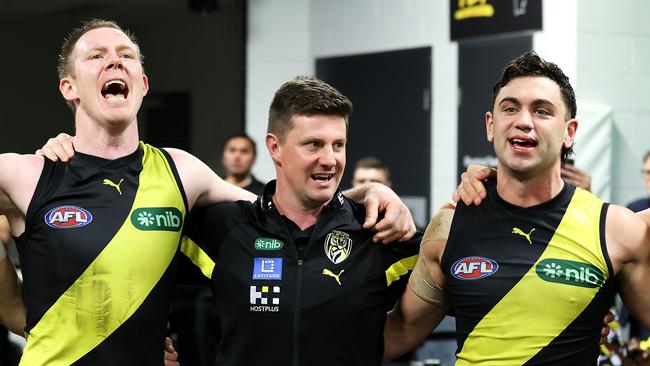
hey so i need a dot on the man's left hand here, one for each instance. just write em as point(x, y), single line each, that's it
point(397, 223)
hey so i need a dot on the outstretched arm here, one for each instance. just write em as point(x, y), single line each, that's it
point(203, 187)
point(628, 244)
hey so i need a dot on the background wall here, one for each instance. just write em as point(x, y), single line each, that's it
point(602, 46)
point(278, 49)
point(613, 57)
point(184, 51)
point(337, 27)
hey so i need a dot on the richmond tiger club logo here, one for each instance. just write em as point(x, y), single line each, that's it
point(68, 217)
point(338, 246)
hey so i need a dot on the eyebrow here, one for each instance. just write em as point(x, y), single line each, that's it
point(119, 48)
point(516, 101)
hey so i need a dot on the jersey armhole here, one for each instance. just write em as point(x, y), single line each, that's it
point(44, 188)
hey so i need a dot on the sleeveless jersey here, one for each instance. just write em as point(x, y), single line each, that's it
point(97, 259)
point(529, 286)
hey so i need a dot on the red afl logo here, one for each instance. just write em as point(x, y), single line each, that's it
point(473, 268)
point(68, 217)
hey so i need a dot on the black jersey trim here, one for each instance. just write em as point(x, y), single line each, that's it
point(603, 238)
point(172, 167)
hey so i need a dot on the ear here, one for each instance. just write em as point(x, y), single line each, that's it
point(274, 147)
point(68, 89)
point(489, 123)
point(571, 128)
point(145, 84)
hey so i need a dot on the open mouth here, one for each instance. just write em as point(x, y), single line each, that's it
point(322, 177)
point(115, 89)
point(523, 143)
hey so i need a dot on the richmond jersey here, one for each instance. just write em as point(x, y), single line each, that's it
point(529, 286)
point(97, 258)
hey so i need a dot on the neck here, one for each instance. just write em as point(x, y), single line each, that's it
point(295, 210)
point(240, 181)
point(528, 191)
point(109, 142)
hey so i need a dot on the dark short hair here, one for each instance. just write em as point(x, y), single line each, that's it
point(371, 162)
point(646, 156)
point(530, 64)
point(65, 64)
point(241, 136)
point(305, 96)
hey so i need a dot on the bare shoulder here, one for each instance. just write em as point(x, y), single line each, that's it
point(627, 235)
point(437, 233)
point(26, 161)
point(19, 170)
point(20, 174)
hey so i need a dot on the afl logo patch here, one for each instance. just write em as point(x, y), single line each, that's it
point(474, 268)
point(68, 217)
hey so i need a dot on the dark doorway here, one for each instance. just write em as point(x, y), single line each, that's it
point(480, 64)
point(391, 93)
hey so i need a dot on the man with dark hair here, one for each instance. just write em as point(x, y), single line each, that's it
point(98, 235)
point(531, 271)
point(238, 157)
point(297, 269)
point(370, 169)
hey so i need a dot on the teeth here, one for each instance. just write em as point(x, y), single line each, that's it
point(111, 82)
point(322, 177)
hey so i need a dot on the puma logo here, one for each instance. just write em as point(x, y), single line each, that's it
point(518, 231)
point(327, 272)
point(108, 182)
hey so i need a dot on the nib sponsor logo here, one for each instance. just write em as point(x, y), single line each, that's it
point(570, 273)
point(157, 218)
point(474, 268)
point(268, 244)
point(68, 217)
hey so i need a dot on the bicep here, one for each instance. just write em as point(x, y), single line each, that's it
point(630, 237)
point(202, 185)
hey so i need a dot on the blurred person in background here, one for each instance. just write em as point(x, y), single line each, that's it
point(370, 169)
point(238, 158)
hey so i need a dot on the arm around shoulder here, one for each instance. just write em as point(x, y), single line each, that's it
point(628, 244)
point(202, 185)
point(424, 302)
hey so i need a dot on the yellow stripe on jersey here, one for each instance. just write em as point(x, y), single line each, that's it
point(117, 282)
point(197, 256)
point(509, 329)
point(399, 269)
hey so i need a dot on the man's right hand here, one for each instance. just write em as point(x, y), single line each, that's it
point(58, 148)
point(472, 184)
point(171, 356)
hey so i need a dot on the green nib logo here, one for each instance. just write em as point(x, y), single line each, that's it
point(570, 273)
point(268, 244)
point(157, 219)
